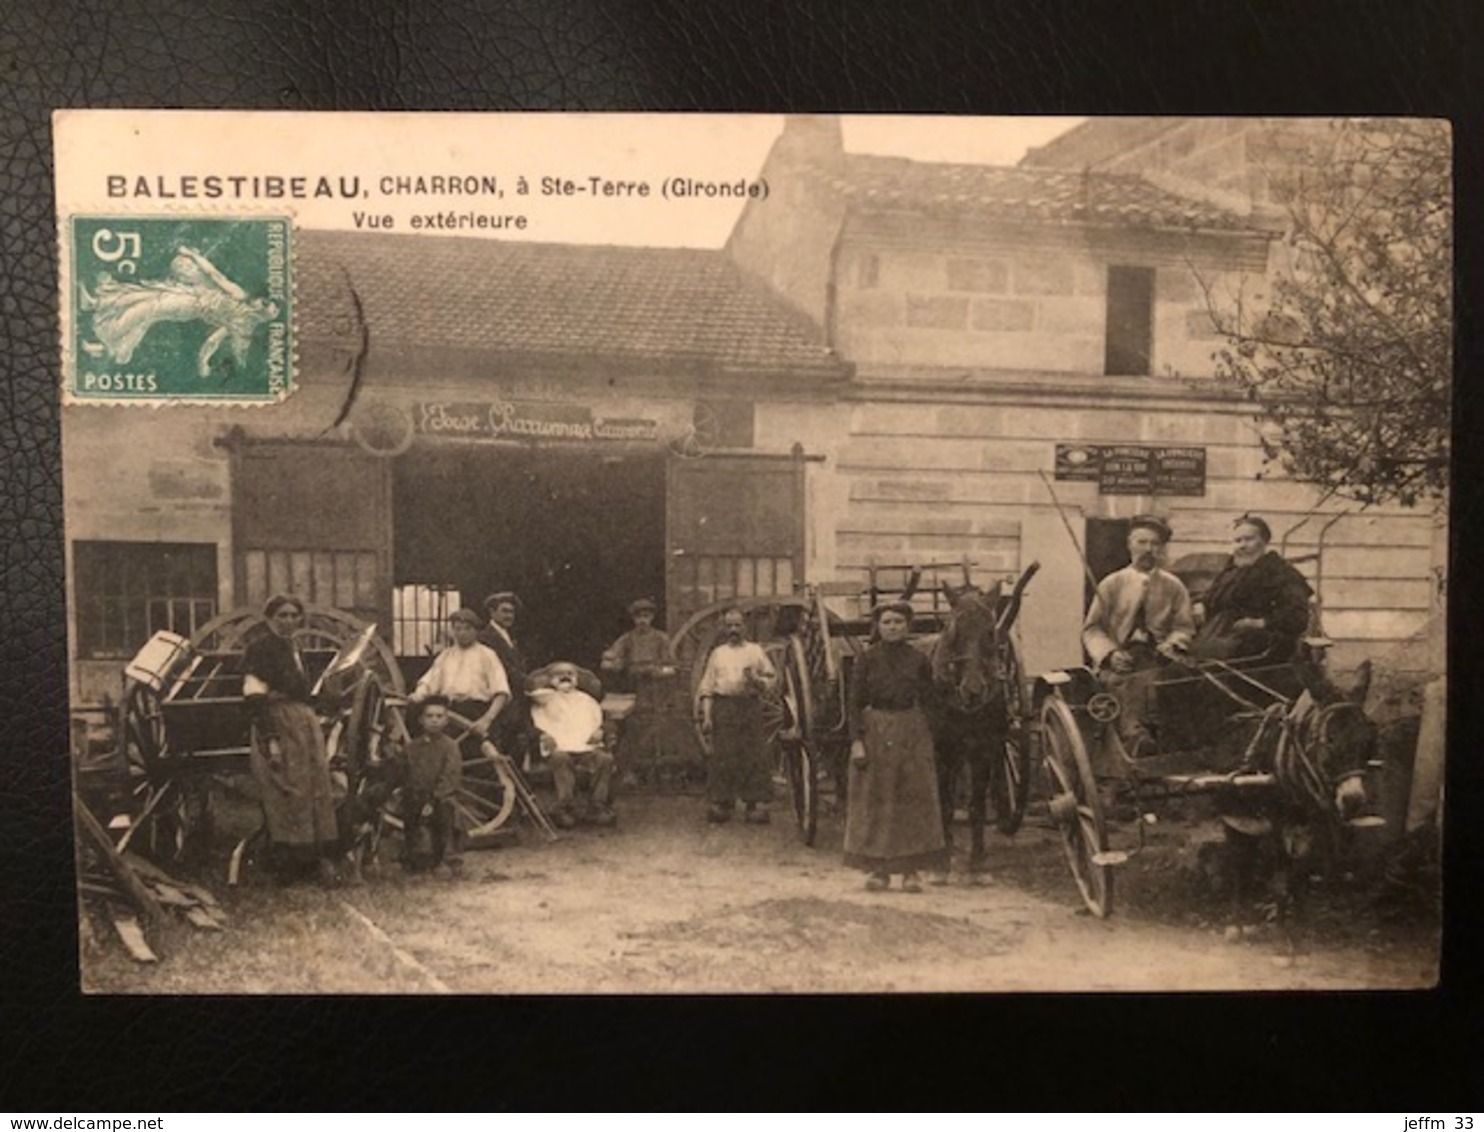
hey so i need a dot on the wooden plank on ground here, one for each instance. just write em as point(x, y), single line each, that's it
point(204, 895)
point(98, 837)
point(132, 936)
point(169, 894)
point(202, 919)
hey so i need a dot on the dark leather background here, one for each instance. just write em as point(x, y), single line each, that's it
point(66, 1054)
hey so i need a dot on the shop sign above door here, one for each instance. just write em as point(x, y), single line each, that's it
point(1134, 469)
point(527, 420)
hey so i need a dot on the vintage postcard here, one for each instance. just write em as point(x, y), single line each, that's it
point(579, 553)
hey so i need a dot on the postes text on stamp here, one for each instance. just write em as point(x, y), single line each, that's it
point(180, 309)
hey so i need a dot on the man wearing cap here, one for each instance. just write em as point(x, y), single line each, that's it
point(643, 656)
point(470, 676)
point(513, 726)
point(1140, 619)
point(737, 674)
point(1258, 606)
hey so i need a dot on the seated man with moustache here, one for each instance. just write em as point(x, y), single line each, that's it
point(569, 725)
point(1140, 620)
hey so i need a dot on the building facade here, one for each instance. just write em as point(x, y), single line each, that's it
point(890, 361)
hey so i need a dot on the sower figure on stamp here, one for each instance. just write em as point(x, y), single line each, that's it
point(470, 676)
point(738, 672)
point(194, 291)
point(1140, 620)
point(288, 758)
point(431, 775)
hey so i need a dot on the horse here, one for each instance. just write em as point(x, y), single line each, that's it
point(1317, 748)
point(969, 716)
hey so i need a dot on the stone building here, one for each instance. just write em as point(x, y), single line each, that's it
point(889, 360)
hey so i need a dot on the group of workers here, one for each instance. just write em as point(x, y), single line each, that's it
point(1141, 619)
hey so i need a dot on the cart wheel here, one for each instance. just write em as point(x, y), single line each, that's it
point(799, 748)
point(364, 741)
point(485, 798)
point(1010, 777)
point(1076, 809)
point(144, 731)
point(802, 766)
point(160, 805)
point(324, 631)
point(767, 620)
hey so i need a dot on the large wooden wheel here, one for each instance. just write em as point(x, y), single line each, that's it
point(769, 621)
point(324, 632)
point(1076, 809)
point(485, 799)
point(170, 815)
point(799, 744)
point(1010, 776)
point(143, 732)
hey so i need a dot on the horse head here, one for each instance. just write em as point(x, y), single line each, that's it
point(966, 663)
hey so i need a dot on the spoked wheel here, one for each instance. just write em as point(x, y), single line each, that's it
point(1076, 809)
point(363, 745)
point(800, 751)
point(485, 799)
point(768, 620)
point(324, 632)
point(802, 765)
point(1010, 776)
point(161, 812)
point(144, 731)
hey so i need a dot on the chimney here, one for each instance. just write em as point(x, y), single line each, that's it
point(813, 138)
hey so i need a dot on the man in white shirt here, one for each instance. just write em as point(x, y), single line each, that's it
point(470, 676)
point(1140, 619)
point(738, 672)
point(570, 724)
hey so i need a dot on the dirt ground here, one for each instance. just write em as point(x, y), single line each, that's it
point(666, 903)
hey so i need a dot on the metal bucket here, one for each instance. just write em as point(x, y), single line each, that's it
point(161, 656)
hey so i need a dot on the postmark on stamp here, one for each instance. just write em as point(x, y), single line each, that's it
point(176, 309)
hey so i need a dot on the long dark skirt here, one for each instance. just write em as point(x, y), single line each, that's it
point(739, 761)
point(298, 803)
point(892, 821)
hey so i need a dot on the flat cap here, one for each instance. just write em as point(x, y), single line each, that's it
point(1151, 523)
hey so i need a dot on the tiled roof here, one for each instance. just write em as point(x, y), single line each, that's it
point(1055, 196)
point(672, 307)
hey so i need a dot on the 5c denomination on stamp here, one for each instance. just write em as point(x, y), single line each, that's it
point(180, 309)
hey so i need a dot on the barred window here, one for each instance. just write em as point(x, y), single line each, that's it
point(420, 616)
point(127, 591)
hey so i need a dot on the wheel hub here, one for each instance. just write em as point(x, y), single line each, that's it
point(1063, 808)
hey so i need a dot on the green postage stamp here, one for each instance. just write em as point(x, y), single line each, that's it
point(175, 308)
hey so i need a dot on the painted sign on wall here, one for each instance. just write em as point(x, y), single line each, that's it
point(1134, 469)
point(528, 420)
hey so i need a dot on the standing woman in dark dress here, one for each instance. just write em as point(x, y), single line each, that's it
point(288, 749)
point(892, 823)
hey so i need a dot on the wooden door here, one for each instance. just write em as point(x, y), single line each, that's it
point(315, 520)
point(734, 528)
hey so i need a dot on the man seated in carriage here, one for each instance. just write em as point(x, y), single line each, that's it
point(569, 723)
point(1140, 620)
point(1257, 608)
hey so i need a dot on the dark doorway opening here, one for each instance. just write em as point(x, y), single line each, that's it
point(578, 535)
point(1107, 550)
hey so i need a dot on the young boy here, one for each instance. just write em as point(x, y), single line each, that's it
point(431, 778)
point(570, 724)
